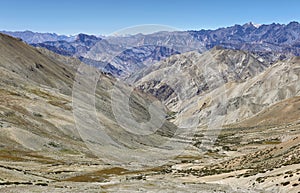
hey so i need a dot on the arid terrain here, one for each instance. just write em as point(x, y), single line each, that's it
point(246, 108)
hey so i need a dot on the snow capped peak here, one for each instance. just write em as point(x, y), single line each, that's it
point(257, 25)
point(251, 24)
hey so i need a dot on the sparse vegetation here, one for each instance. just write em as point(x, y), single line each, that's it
point(171, 115)
point(9, 113)
point(54, 144)
point(69, 151)
point(37, 114)
point(285, 183)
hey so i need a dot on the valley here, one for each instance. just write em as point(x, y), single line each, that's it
point(219, 119)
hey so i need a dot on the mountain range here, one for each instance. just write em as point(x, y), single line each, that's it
point(272, 42)
point(36, 37)
point(80, 113)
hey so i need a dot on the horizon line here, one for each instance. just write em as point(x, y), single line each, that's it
point(257, 25)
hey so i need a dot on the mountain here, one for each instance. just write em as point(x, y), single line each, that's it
point(133, 59)
point(42, 93)
point(78, 48)
point(81, 44)
point(271, 42)
point(245, 111)
point(246, 84)
point(196, 120)
point(264, 152)
point(103, 66)
point(124, 57)
point(278, 38)
point(35, 37)
point(50, 80)
point(196, 73)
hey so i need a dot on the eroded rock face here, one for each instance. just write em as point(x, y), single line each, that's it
point(247, 84)
point(194, 74)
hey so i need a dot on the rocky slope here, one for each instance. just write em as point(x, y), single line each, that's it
point(252, 113)
point(37, 118)
point(192, 74)
point(265, 150)
point(246, 84)
point(41, 76)
point(52, 140)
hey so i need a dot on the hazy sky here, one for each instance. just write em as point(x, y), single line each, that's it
point(108, 16)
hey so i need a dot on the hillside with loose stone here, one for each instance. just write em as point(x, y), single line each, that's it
point(49, 133)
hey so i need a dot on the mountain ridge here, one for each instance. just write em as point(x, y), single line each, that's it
point(273, 42)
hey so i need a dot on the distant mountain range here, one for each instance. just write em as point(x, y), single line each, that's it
point(35, 37)
point(129, 54)
point(248, 36)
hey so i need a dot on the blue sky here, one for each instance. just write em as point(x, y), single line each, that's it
point(107, 16)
